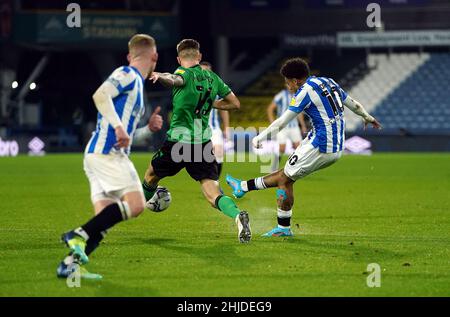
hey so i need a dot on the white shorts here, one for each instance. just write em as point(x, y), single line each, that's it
point(110, 176)
point(218, 143)
point(307, 159)
point(292, 134)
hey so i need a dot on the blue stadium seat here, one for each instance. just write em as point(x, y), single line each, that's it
point(421, 101)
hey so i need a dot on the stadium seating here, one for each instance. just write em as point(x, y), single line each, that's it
point(416, 99)
point(421, 102)
point(387, 73)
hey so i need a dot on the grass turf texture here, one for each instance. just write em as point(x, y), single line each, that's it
point(391, 209)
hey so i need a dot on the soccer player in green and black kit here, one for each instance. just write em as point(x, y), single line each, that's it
point(188, 143)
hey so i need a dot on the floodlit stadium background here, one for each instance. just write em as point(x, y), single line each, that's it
point(381, 217)
point(400, 70)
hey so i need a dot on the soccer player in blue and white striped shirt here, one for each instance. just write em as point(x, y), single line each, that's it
point(323, 101)
point(292, 132)
point(116, 191)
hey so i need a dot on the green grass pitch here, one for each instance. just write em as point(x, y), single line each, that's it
point(390, 209)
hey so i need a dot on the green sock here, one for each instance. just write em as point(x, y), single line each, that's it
point(226, 205)
point(148, 190)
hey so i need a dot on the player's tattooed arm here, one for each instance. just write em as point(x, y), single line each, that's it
point(229, 102)
point(167, 79)
point(358, 108)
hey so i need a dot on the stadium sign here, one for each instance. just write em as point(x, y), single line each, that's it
point(36, 147)
point(358, 145)
point(393, 38)
point(8, 148)
point(321, 40)
point(96, 29)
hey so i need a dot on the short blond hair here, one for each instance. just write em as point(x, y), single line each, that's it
point(140, 41)
point(188, 48)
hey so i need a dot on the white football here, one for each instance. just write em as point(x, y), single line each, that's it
point(160, 201)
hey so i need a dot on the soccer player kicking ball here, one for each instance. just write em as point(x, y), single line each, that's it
point(116, 191)
point(322, 99)
point(188, 143)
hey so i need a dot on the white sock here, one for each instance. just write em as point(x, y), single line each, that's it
point(125, 210)
point(259, 183)
point(283, 214)
point(80, 231)
point(68, 260)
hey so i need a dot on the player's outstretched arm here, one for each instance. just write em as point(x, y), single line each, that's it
point(358, 108)
point(275, 127)
point(229, 102)
point(167, 79)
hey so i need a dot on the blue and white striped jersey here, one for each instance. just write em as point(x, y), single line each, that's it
point(322, 100)
point(214, 119)
point(282, 100)
point(129, 105)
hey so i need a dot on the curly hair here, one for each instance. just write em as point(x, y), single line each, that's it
point(295, 68)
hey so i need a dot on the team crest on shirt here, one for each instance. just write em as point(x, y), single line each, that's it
point(180, 71)
point(292, 103)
